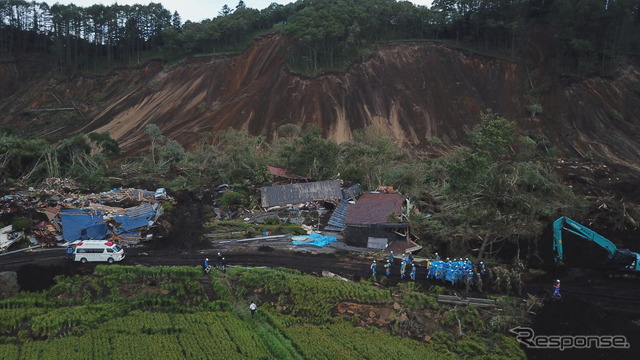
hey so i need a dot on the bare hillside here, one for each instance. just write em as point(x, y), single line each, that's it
point(425, 94)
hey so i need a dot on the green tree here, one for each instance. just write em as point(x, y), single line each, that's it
point(240, 157)
point(309, 155)
point(369, 158)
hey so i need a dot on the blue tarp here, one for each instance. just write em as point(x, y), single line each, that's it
point(81, 224)
point(136, 217)
point(317, 240)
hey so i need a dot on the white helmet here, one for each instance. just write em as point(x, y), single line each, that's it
point(207, 259)
point(557, 280)
point(218, 254)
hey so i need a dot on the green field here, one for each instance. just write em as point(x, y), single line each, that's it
point(125, 312)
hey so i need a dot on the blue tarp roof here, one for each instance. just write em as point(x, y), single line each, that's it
point(135, 217)
point(82, 224)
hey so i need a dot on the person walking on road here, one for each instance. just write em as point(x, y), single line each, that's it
point(253, 308)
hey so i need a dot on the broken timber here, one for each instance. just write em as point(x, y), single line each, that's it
point(457, 300)
point(26, 111)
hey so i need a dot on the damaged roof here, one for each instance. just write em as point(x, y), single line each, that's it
point(300, 193)
point(374, 208)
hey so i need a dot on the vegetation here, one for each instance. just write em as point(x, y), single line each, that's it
point(132, 312)
point(592, 36)
point(499, 189)
point(240, 229)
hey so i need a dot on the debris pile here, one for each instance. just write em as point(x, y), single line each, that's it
point(58, 212)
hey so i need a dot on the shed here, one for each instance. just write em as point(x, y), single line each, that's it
point(375, 216)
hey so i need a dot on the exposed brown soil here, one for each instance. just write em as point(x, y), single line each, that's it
point(416, 91)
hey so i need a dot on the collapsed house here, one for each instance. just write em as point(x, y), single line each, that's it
point(299, 193)
point(61, 213)
point(103, 222)
point(374, 221)
point(8, 237)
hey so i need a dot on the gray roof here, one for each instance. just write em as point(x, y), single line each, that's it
point(300, 193)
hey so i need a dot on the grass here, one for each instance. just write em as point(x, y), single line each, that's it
point(132, 312)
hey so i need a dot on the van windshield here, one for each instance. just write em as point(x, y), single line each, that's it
point(117, 248)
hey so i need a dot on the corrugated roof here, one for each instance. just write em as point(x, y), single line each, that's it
point(336, 222)
point(300, 193)
point(374, 208)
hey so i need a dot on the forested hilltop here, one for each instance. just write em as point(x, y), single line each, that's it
point(590, 35)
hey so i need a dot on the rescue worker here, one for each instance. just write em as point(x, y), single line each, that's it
point(219, 262)
point(556, 289)
point(373, 268)
point(468, 280)
point(70, 252)
point(253, 308)
point(223, 265)
point(387, 268)
point(478, 282)
point(403, 269)
point(427, 264)
point(391, 256)
point(437, 256)
point(206, 267)
point(413, 272)
point(410, 258)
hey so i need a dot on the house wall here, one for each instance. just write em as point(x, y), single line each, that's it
point(358, 235)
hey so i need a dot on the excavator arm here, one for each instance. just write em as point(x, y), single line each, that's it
point(564, 223)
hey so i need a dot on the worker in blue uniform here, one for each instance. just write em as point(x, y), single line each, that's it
point(413, 272)
point(556, 289)
point(391, 256)
point(403, 269)
point(205, 266)
point(373, 268)
point(387, 268)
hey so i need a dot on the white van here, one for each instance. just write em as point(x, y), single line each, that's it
point(98, 250)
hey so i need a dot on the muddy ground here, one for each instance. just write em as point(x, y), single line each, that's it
point(592, 304)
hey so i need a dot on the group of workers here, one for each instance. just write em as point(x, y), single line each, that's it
point(221, 264)
point(455, 271)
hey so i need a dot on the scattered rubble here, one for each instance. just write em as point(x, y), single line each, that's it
point(58, 212)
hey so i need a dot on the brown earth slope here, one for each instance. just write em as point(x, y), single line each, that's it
point(425, 94)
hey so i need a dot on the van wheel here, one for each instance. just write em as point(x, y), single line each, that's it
point(83, 260)
point(110, 260)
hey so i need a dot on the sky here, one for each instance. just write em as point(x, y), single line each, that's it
point(194, 10)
